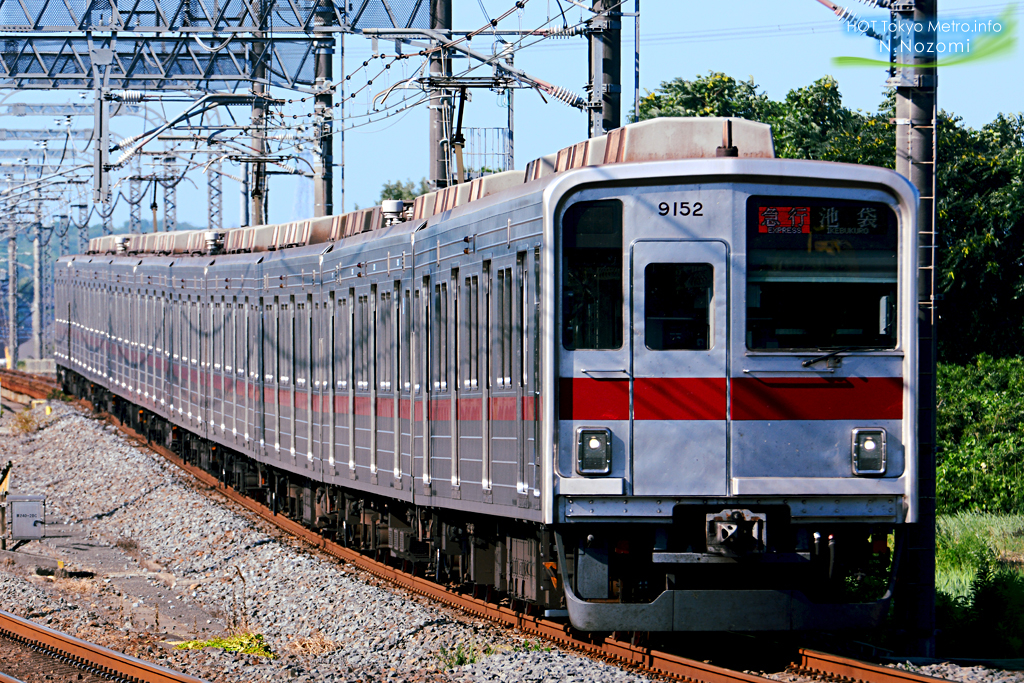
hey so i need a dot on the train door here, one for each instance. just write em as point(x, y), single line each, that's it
point(362, 366)
point(679, 347)
point(385, 406)
point(303, 416)
point(322, 391)
point(506, 466)
point(408, 387)
point(440, 444)
point(343, 454)
point(471, 381)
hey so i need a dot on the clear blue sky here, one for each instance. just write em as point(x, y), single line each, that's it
point(782, 44)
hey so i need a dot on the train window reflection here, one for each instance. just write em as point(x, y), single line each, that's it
point(592, 276)
point(677, 306)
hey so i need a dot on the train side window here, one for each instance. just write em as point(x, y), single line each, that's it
point(677, 306)
point(384, 342)
point(592, 298)
point(439, 338)
point(471, 333)
point(504, 319)
point(406, 350)
point(361, 342)
point(218, 335)
point(342, 348)
point(271, 330)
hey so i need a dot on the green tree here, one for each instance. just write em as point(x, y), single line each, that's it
point(809, 123)
point(980, 220)
point(406, 191)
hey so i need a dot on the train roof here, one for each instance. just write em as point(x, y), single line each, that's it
point(653, 140)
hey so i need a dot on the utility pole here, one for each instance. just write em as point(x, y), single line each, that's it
point(37, 283)
point(440, 99)
point(341, 119)
point(244, 200)
point(12, 294)
point(511, 156)
point(915, 159)
point(323, 115)
point(258, 176)
point(605, 36)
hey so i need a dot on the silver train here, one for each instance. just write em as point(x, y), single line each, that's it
point(659, 381)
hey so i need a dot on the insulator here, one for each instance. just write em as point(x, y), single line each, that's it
point(131, 96)
point(567, 96)
point(129, 141)
point(566, 32)
point(125, 157)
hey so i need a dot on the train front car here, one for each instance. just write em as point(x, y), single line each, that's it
point(734, 364)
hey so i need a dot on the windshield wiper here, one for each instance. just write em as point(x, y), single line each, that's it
point(833, 354)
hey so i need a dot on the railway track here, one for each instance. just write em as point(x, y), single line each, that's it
point(813, 664)
point(90, 658)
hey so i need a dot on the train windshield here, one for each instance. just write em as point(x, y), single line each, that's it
point(592, 276)
point(821, 274)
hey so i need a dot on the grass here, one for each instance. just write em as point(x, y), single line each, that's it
point(965, 540)
point(25, 422)
point(980, 584)
point(463, 654)
point(532, 646)
point(246, 643)
point(314, 644)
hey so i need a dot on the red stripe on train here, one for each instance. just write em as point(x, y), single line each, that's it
point(593, 399)
point(817, 398)
point(777, 398)
point(691, 398)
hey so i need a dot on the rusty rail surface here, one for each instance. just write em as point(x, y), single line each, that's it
point(89, 656)
point(27, 385)
point(822, 664)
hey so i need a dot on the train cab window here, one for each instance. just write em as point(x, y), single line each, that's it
point(592, 275)
point(821, 274)
point(677, 306)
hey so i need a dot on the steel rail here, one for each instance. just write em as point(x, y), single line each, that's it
point(87, 655)
point(818, 664)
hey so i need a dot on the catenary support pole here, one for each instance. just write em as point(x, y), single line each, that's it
point(12, 295)
point(915, 159)
point(341, 120)
point(440, 100)
point(37, 284)
point(605, 68)
point(170, 195)
point(214, 195)
point(323, 115)
point(257, 177)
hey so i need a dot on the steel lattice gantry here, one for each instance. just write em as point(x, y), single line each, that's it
point(205, 16)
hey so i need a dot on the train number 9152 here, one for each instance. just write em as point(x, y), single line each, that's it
point(681, 209)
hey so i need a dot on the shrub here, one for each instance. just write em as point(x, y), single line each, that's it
point(981, 436)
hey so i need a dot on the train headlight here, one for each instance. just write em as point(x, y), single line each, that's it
point(868, 451)
point(593, 451)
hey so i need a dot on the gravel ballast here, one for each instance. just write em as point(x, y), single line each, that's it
point(170, 564)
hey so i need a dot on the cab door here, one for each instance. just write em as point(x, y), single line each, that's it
point(679, 343)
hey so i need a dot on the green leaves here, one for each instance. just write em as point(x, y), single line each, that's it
point(406, 191)
point(810, 123)
point(981, 436)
